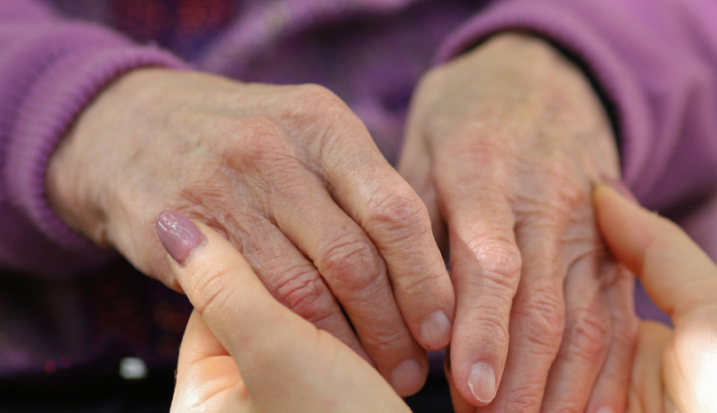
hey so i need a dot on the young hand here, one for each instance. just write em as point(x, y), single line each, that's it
point(674, 369)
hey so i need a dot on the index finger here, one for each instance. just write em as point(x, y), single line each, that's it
point(676, 273)
point(393, 216)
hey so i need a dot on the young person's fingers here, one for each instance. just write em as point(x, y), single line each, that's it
point(646, 385)
point(676, 273)
point(206, 374)
point(248, 322)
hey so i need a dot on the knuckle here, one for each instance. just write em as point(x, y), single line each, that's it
point(499, 260)
point(399, 211)
point(302, 291)
point(327, 108)
point(261, 139)
point(547, 321)
point(524, 399)
point(352, 262)
point(587, 335)
point(383, 340)
point(565, 192)
point(491, 325)
point(319, 97)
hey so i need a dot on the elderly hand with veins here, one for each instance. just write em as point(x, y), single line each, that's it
point(291, 177)
point(244, 352)
point(674, 370)
point(504, 145)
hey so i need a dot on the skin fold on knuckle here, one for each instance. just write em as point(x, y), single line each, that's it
point(259, 145)
point(587, 335)
point(525, 398)
point(500, 263)
point(485, 328)
point(397, 212)
point(543, 320)
point(352, 265)
point(304, 292)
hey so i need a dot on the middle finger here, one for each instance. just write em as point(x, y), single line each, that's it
point(537, 322)
point(356, 274)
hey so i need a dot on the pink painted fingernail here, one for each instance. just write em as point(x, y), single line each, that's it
point(178, 234)
point(436, 330)
point(620, 187)
point(482, 382)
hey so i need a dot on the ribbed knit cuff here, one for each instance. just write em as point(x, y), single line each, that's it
point(50, 107)
point(573, 33)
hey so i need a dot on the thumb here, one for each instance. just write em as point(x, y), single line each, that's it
point(285, 362)
point(676, 273)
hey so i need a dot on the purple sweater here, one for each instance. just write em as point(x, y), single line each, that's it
point(64, 302)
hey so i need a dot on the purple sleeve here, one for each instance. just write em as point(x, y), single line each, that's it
point(656, 65)
point(50, 69)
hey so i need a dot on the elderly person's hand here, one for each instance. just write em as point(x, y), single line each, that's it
point(673, 370)
point(244, 352)
point(504, 145)
point(291, 177)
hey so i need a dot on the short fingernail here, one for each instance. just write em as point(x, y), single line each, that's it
point(481, 381)
point(606, 410)
point(620, 187)
point(178, 234)
point(407, 377)
point(436, 330)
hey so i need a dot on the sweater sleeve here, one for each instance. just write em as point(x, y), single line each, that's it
point(654, 62)
point(50, 69)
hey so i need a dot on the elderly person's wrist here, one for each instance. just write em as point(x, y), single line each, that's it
point(77, 192)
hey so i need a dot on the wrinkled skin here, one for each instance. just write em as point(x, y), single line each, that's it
point(291, 177)
point(244, 352)
point(504, 145)
point(272, 360)
point(674, 370)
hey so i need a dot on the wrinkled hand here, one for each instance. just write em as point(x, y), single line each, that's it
point(291, 177)
point(674, 370)
point(504, 145)
point(244, 352)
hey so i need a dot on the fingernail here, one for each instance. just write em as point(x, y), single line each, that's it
point(481, 381)
point(606, 410)
point(407, 377)
point(620, 187)
point(178, 234)
point(436, 330)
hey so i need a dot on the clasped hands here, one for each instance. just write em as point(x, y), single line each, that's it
point(244, 352)
point(503, 147)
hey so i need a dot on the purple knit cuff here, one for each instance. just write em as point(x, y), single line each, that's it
point(50, 107)
point(571, 31)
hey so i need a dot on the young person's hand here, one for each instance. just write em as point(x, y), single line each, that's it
point(245, 352)
point(673, 370)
